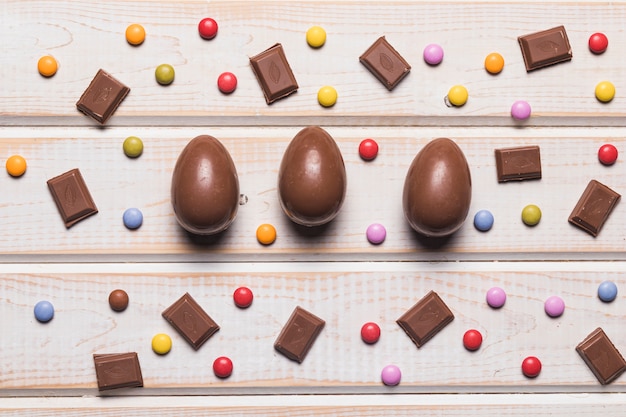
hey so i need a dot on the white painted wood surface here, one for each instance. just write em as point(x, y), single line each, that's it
point(334, 273)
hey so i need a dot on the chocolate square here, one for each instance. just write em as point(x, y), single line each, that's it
point(593, 207)
point(425, 319)
point(72, 197)
point(520, 163)
point(297, 336)
point(191, 321)
point(102, 97)
point(601, 356)
point(382, 60)
point(274, 73)
point(117, 370)
point(545, 48)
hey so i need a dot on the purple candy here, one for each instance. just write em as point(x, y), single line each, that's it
point(520, 110)
point(391, 375)
point(554, 306)
point(376, 233)
point(433, 54)
point(496, 297)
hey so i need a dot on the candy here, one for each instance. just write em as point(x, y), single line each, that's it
point(376, 233)
point(368, 149)
point(132, 146)
point(531, 367)
point(531, 215)
point(327, 96)
point(298, 335)
point(164, 74)
point(135, 34)
point(316, 36)
point(191, 321)
point(607, 154)
point(118, 300)
point(47, 66)
point(266, 234)
point(494, 63)
point(457, 95)
point(72, 197)
point(391, 375)
point(598, 42)
point(207, 28)
point(554, 306)
point(132, 218)
point(102, 97)
point(385, 63)
point(243, 297)
point(425, 319)
point(274, 74)
point(433, 54)
point(222, 367)
point(545, 48)
point(607, 291)
point(16, 165)
point(227, 82)
point(496, 297)
point(44, 311)
point(483, 220)
point(520, 163)
point(472, 339)
point(117, 370)
point(520, 110)
point(370, 332)
point(605, 91)
point(594, 207)
point(161, 344)
point(601, 356)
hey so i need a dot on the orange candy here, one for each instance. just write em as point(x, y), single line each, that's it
point(494, 63)
point(47, 66)
point(266, 234)
point(135, 34)
point(16, 166)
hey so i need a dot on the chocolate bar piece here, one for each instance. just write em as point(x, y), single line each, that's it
point(191, 321)
point(274, 74)
point(102, 97)
point(297, 336)
point(545, 48)
point(385, 63)
point(72, 197)
point(425, 319)
point(601, 356)
point(516, 164)
point(594, 207)
point(117, 370)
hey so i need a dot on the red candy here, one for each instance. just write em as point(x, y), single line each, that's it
point(222, 367)
point(243, 297)
point(607, 154)
point(207, 28)
point(472, 339)
point(368, 149)
point(370, 332)
point(227, 82)
point(598, 43)
point(531, 366)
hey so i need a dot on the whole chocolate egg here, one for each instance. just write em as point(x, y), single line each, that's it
point(437, 189)
point(312, 178)
point(205, 187)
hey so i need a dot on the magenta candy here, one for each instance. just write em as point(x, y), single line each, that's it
point(496, 297)
point(554, 306)
point(433, 54)
point(391, 375)
point(520, 110)
point(376, 233)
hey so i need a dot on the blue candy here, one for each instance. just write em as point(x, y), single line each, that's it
point(483, 220)
point(44, 311)
point(133, 218)
point(607, 291)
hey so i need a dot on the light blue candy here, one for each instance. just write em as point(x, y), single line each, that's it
point(133, 218)
point(607, 291)
point(483, 220)
point(44, 311)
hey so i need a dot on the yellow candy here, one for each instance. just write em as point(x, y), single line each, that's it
point(16, 166)
point(47, 66)
point(316, 36)
point(135, 34)
point(266, 234)
point(531, 214)
point(327, 96)
point(457, 96)
point(494, 62)
point(161, 343)
point(605, 91)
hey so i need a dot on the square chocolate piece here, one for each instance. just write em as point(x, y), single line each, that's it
point(425, 319)
point(102, 97)
point(516, 164)
point(72, 197)
point(601, 356)
point(274, 74)
point(191, 321)
point(297, 336)
point(385, 63)
point(594, 207)
point(117, 370)
point(545, 48)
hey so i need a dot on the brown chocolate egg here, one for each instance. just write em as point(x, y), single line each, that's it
point(205, 187)
point(437, 189)
point(312, 178)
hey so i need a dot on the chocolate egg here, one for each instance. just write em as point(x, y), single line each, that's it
point(205, 187)
point(312, 178)
point(437, 189)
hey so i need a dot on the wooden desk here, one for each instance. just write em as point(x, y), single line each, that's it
point(47, 369)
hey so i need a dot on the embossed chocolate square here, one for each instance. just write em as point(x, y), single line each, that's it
point(298, 335)
point(274, 73)
point(601, 356)
point(544, 48)
point(72, 197)
point(102, 97)
point(191, 321)
point(594, 207)
point(117, 370)
point(382, 60)
point(519, 163)
point(425, 319)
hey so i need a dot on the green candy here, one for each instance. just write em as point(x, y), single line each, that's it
point(133, 146)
